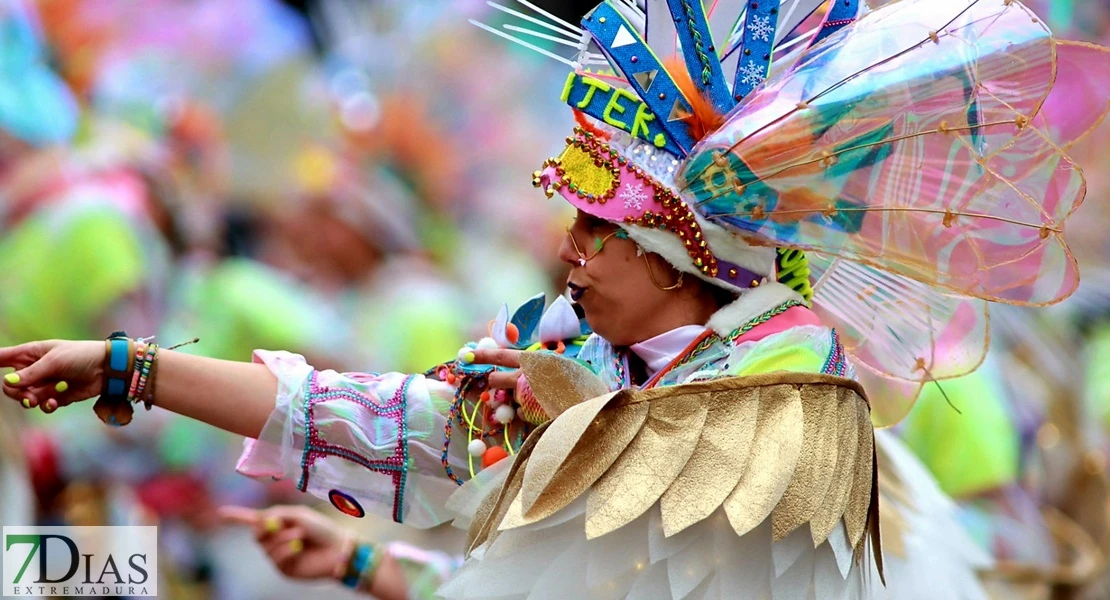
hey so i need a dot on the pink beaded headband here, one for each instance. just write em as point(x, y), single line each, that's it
point(598, 180)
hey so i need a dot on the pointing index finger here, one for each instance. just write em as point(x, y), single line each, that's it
point(501, 358)
point(239, 515)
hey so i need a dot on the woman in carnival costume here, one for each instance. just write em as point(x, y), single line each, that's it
point(708, 439)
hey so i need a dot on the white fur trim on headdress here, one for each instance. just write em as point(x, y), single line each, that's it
point(759, 260)
point(750, 305)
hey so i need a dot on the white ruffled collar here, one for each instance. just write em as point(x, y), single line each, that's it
point(656, 352)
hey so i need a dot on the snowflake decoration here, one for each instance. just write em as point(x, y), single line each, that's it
point(752, 74)
point(633, 196)
point(762, 29)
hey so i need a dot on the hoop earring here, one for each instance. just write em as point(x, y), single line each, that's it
point(651, 274)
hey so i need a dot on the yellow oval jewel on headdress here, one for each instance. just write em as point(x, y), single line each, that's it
point(583, 171)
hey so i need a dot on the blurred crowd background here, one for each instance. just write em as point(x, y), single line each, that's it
point(351, 180)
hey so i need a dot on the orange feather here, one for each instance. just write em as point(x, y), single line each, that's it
point(705, 118)
point(584, 123)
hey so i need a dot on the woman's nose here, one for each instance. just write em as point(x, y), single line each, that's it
point(566, 251)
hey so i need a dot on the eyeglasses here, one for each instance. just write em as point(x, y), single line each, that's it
point(599, 245)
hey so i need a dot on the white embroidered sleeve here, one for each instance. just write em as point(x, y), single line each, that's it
point(367, 443)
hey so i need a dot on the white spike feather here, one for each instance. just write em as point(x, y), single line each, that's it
point(554, 18)
point(528, 45)
point(632, 6)
point(544, 36)
point(545, 24)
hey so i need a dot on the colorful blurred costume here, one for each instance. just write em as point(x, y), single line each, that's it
point(17, 502)
point(914, 154)
point(36, 106)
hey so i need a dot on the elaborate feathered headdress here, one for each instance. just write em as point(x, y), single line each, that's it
point(916, 153)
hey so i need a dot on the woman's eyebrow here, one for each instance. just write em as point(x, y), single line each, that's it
point(594, 222)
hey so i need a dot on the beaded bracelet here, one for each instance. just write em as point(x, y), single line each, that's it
point(148, 398)
point(140, 355)
point(128, 361)
point(144, 371)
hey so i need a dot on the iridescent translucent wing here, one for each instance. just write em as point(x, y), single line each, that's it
point(898, 328)
point(1079, 99)
point(912, 141)
point(896, 397)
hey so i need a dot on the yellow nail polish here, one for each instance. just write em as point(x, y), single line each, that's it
point(61, 387)
point(272, 524)
point(296, 546)
point(26, 403)
point(12, 378)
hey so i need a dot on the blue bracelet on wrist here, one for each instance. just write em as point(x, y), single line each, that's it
point(360, 558)
point(118, 366)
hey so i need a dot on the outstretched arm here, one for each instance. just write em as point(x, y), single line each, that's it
point(378, 443)
point(234, 396)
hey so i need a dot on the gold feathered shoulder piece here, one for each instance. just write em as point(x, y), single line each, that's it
point(793, 447)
